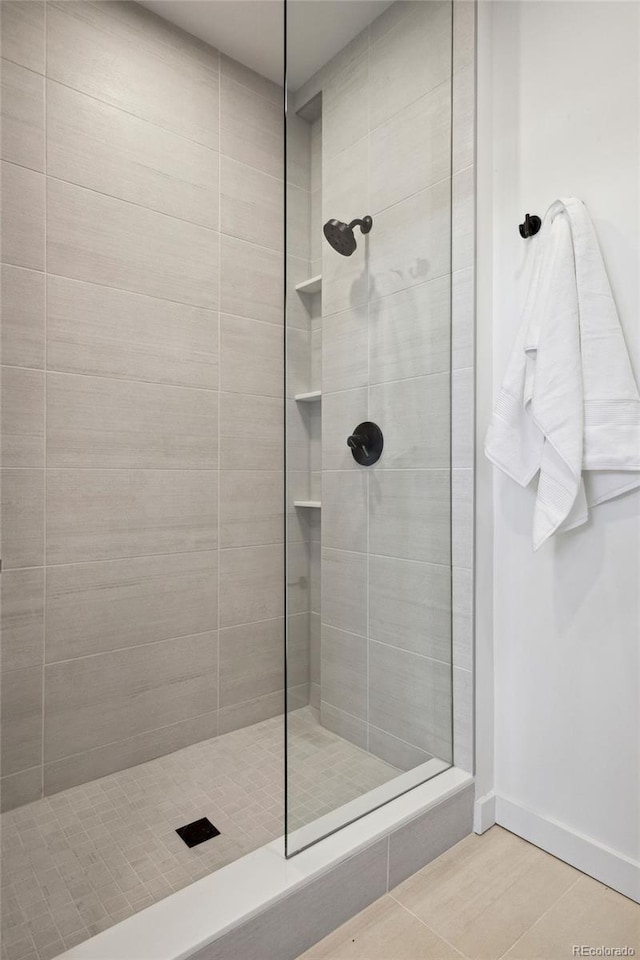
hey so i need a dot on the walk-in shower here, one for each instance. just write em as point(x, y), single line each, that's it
point(229, 484)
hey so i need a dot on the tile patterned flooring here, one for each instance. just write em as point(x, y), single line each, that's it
point(489, 897)
point(79, 861)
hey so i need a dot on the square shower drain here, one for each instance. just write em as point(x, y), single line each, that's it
point(197, 832)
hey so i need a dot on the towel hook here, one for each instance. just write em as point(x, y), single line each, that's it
point(530, 226)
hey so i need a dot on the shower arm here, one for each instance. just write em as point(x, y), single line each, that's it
point(365, 224)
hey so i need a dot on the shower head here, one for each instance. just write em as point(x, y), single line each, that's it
point(341, 236)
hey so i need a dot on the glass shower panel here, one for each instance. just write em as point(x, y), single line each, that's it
point(368, 448)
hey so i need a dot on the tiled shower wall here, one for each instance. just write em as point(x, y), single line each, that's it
point(141, 393)
point(389, 150)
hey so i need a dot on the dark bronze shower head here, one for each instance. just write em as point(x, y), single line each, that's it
point(341, 236)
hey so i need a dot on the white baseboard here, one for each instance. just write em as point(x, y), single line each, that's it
point(484, 813)
point(593, 858)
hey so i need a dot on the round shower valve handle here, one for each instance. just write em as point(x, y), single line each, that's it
point(366, 443)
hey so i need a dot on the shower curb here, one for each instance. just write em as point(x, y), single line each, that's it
point(264, 906)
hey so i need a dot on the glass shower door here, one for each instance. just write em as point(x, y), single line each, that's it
point(368, 363)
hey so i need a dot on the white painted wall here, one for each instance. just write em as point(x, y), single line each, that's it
point(558, 110)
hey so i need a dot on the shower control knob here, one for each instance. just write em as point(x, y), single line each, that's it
point(366, 443)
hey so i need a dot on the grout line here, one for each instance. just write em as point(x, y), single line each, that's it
point(102, 376)
point(132, 203)
point(219, 405)
point(430, 929)
point(45, 412)
point(133, 646)
point(111, 743)
point(543, 914)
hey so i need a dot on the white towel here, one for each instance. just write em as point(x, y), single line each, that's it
point(569, 408)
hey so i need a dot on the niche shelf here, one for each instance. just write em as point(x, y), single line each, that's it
point(312, 285)
point(308, 397)
point(313, 504)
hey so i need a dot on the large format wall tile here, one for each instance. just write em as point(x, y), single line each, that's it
point(251, 661)
point(97, 700)
point(251, 281)
point(410, 514)
point(22, 524)
point(102, 760)
point(251, 507)
point(163, 75)
point(344, 107)
point(94, 145)
point(22, 316)
point(410, 60)
point(113, 333)
point(22, 109)
point(344, 671)
point(341, 413)
point(21, 740)
point(102, 515)
point(251, 204)
point(251, 432)
point(462, 413)
point(344, 724)
point(410, 697)
point(399, 753)
point(464, 114)
point(22, 618)
point(248, 712)
point(22, 417)
point(462, 718)
point(344, 590)
point(23, 212)
point(96, 422)
point(412, 150)
point(23, 33)
point(462, 494)
point(103, 240)
point(129, 272)
point(19, 788)
point(345, 344)
point(410, 332)
point(249, 78)
point(251, 128)
point(463, 193)
point(96, 607)
point(463, 618)
point(462, 329)
point(410, 242)
point(251, 584)
point(417, 414)
point(344, 509)
point(251, 357)
point(410, 605)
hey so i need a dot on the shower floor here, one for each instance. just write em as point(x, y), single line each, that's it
point(81, 860)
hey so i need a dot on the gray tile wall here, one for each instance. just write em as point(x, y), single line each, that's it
point(385, 635)
point(396, 350)
point(141, 393)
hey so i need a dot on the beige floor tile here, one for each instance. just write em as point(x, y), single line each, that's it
point(69, 861)
point(384, 931)
point(588, 914)
point(484, 893)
